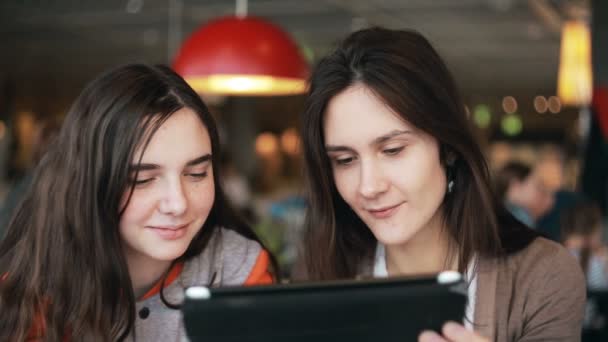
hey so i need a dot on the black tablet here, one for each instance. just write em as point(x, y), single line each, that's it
point(395, 309)
point(595, 324)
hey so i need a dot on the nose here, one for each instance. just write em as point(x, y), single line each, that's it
point(174, 201)
point(372, 181)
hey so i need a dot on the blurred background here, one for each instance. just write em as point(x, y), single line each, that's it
point(506, 56)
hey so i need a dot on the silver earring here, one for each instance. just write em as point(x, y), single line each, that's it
point(450, 177)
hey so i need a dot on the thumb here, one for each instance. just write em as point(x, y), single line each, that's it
point(458, 333)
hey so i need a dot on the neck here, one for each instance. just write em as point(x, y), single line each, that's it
point(425, 253)
point(145, 273)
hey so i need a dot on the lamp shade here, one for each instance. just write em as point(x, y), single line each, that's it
point(242, 56)
point(574, 78)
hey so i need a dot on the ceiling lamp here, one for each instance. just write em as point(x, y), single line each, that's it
point(241, 55)
point(574, 79)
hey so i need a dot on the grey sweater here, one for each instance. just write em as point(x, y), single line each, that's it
point(229, 255)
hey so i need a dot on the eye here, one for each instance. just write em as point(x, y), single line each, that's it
point(199, 175)
point(141, 182)
point(393, 151)
point(344, 161)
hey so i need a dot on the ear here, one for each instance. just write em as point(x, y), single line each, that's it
point(448, 156)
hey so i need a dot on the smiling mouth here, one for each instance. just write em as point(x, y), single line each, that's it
point(384, 212)
point(169, 227)
point(169, 232)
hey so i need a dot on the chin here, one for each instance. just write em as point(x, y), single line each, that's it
point(390, 238)
point(169, 255)
point(393, 241)
point(393, 236)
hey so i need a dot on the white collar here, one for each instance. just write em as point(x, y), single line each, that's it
point(381, 271)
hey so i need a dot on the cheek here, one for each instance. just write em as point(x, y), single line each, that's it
point(420, 175)
point(537, 200)
point(201, 198)
point(138, 209)
point(346, 184)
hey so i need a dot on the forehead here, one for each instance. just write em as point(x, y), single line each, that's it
point(357, 114)
point(182, 135)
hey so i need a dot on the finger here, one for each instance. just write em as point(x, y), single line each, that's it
point(458, 333)
point(430, 336)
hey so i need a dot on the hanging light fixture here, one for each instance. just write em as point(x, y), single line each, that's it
point(242, 55)
point(574, 78)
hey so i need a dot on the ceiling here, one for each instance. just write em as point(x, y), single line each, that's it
point(494, 47)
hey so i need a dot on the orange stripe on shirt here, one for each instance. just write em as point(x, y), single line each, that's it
point(175, 271)
point(260, 273)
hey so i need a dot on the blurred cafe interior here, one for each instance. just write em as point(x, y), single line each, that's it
point(533, 73)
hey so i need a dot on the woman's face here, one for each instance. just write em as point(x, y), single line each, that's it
point(387, 171)
point(174, 190)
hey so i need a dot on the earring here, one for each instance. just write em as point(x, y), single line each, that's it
point(450, 186)
point(450, 178)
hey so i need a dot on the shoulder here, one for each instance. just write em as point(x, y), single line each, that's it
point(543, 256)
point(545, 265)
point(546, 286)
point(236, 244)
point(239, 256)
point(229, 258)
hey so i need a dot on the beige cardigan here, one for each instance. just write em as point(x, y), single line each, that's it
point(537, 294)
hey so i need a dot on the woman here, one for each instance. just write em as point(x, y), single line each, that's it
point(124, 212)
point(399, 186)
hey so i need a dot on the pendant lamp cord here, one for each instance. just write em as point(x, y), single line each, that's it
point(241, 8)
point(174, 29)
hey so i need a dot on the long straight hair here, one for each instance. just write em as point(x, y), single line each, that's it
point(61, 262)
point(402, 69)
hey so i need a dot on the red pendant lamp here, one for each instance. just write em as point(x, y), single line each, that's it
point(242, 55)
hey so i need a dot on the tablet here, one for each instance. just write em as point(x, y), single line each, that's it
point(395, 309)
point(595, 324)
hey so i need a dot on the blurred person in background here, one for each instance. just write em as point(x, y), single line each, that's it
point(398, 186)
point(549, 224)
point(237, 189)
point(124, 212)
point(582, 234)
point(524, 192)
point(45, 133)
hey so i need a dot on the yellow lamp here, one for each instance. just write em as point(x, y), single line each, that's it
point(574, 78)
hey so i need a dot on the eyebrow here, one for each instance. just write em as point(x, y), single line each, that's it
point(199, 160)
point(379, 140)
point(193, 162)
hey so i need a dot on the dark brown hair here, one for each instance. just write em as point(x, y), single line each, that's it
point(61, 261)
point(403, 70)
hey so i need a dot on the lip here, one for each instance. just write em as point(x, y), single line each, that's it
point(384, 212)
point(169, 232)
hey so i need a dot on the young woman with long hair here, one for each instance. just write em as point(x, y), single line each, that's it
point(125, 211)
point(399, 186)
